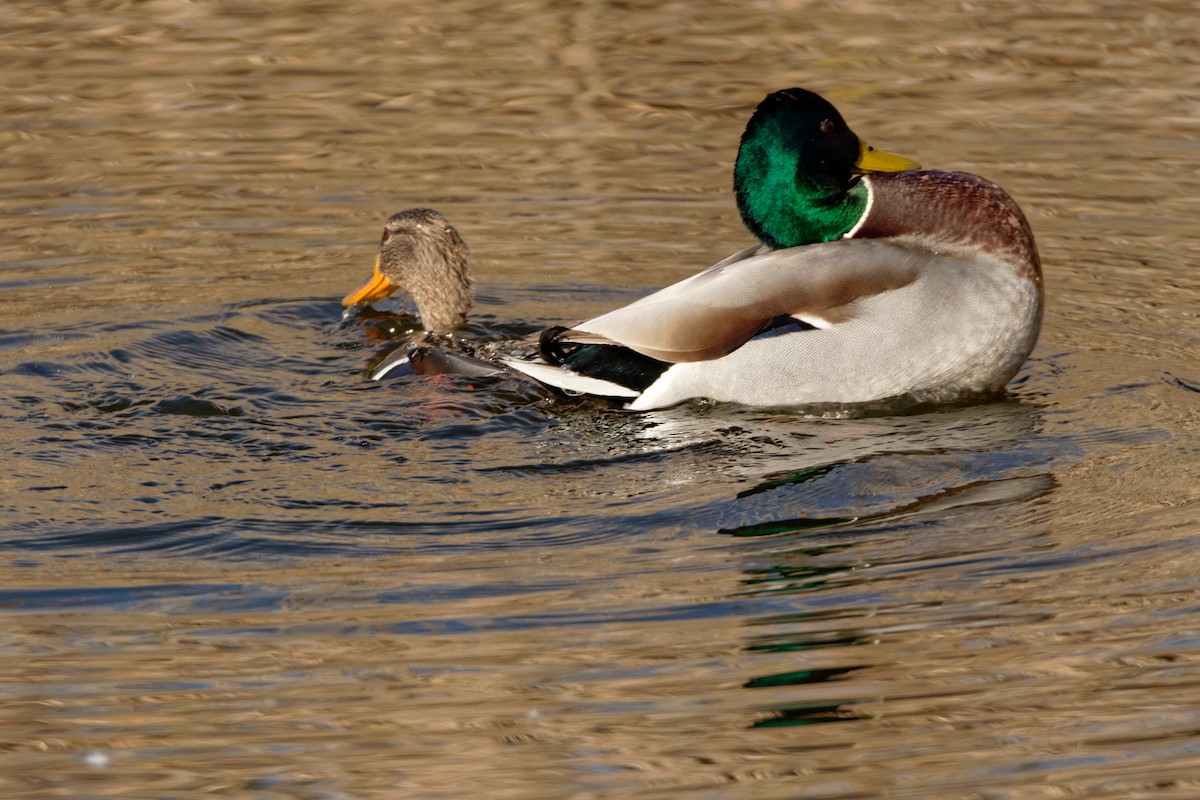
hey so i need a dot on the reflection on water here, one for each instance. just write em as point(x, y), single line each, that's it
point(233, 565)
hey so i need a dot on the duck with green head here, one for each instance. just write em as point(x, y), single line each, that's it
point(873, 281)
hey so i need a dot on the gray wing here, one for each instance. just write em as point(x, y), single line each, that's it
point(714, 312)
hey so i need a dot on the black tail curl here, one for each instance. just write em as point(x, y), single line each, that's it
point(609, 362)
point(553, 349)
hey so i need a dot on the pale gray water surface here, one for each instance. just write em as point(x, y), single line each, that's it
point(232, 566)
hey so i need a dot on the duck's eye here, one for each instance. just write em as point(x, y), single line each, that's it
point(826, 126)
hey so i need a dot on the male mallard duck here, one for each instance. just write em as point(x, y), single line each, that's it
point(873, 281)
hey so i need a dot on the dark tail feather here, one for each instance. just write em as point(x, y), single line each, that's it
point(552, 348)
point(609, 362)
point(432, 361)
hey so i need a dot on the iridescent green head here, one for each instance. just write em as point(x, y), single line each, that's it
point(797, 172)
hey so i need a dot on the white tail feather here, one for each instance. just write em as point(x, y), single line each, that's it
point(568, 381)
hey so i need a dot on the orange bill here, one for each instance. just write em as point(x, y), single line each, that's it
point(377, 287)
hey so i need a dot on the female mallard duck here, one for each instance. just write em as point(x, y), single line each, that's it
point(423, 255)
point(894, 285)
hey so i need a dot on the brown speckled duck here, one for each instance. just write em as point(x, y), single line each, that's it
point(423, 255)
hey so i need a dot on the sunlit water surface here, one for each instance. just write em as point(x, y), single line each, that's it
point(233, 565)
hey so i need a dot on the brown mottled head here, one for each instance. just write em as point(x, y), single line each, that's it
point(422, 254)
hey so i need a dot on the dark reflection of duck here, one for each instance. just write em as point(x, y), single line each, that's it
point(911, 285)
point(797, 474)
point(855, 516)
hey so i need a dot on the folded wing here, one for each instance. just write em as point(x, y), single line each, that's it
point(714, 312)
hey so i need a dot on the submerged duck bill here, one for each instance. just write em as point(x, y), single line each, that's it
point(872, 160)
point(377, 287)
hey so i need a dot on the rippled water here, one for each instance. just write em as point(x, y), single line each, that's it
point(234, 566)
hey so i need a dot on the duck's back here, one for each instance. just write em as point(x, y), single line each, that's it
point(951, 209)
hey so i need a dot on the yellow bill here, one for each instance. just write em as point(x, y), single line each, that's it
point(872, 160)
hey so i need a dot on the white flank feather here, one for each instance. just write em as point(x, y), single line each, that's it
point(568, 381)
point(388, 365)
